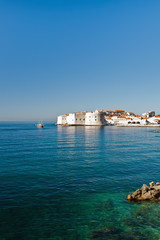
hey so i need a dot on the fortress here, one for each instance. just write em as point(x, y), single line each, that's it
point(94, 118)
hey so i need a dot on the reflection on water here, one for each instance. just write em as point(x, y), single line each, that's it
point(71, 182)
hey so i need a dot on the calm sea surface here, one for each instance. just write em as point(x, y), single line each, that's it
point(70, 183)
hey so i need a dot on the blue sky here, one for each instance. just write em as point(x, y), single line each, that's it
point(65, 56)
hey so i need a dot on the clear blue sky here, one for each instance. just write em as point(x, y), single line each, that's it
point(65, 56)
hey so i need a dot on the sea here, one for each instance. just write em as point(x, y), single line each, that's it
point(71, 183)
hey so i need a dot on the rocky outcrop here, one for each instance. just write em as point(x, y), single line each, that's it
point(151, 193)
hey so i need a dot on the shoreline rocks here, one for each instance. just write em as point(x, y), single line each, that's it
point(145, 193)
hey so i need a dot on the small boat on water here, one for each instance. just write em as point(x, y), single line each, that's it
point(40, 125)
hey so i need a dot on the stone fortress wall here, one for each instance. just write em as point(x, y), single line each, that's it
point(93, 118)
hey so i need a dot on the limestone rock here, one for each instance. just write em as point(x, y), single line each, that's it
point(152, 184)
point(151, 193)
point(144, 188)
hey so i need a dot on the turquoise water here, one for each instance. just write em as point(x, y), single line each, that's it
point(71, 182)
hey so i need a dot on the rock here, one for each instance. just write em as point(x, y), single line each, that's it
point(156, 188)
point(105, 233)
point(129, 197)
point(146, 193)
point(147, 196)
point(156, 195)
point(137, 193)
point(144, 188)
point(152, 184)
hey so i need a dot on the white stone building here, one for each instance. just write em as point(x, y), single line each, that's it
point(61, 120)
point(148, 114)
point(134, 121)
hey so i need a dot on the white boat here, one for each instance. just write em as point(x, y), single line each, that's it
point(40, 125)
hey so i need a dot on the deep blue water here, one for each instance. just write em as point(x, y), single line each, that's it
point(64, 183)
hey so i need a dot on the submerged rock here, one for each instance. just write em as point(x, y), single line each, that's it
point(107, 205)
point(105, 233)
point(151, 193)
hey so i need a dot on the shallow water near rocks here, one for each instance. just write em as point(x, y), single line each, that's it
point(67, 182)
